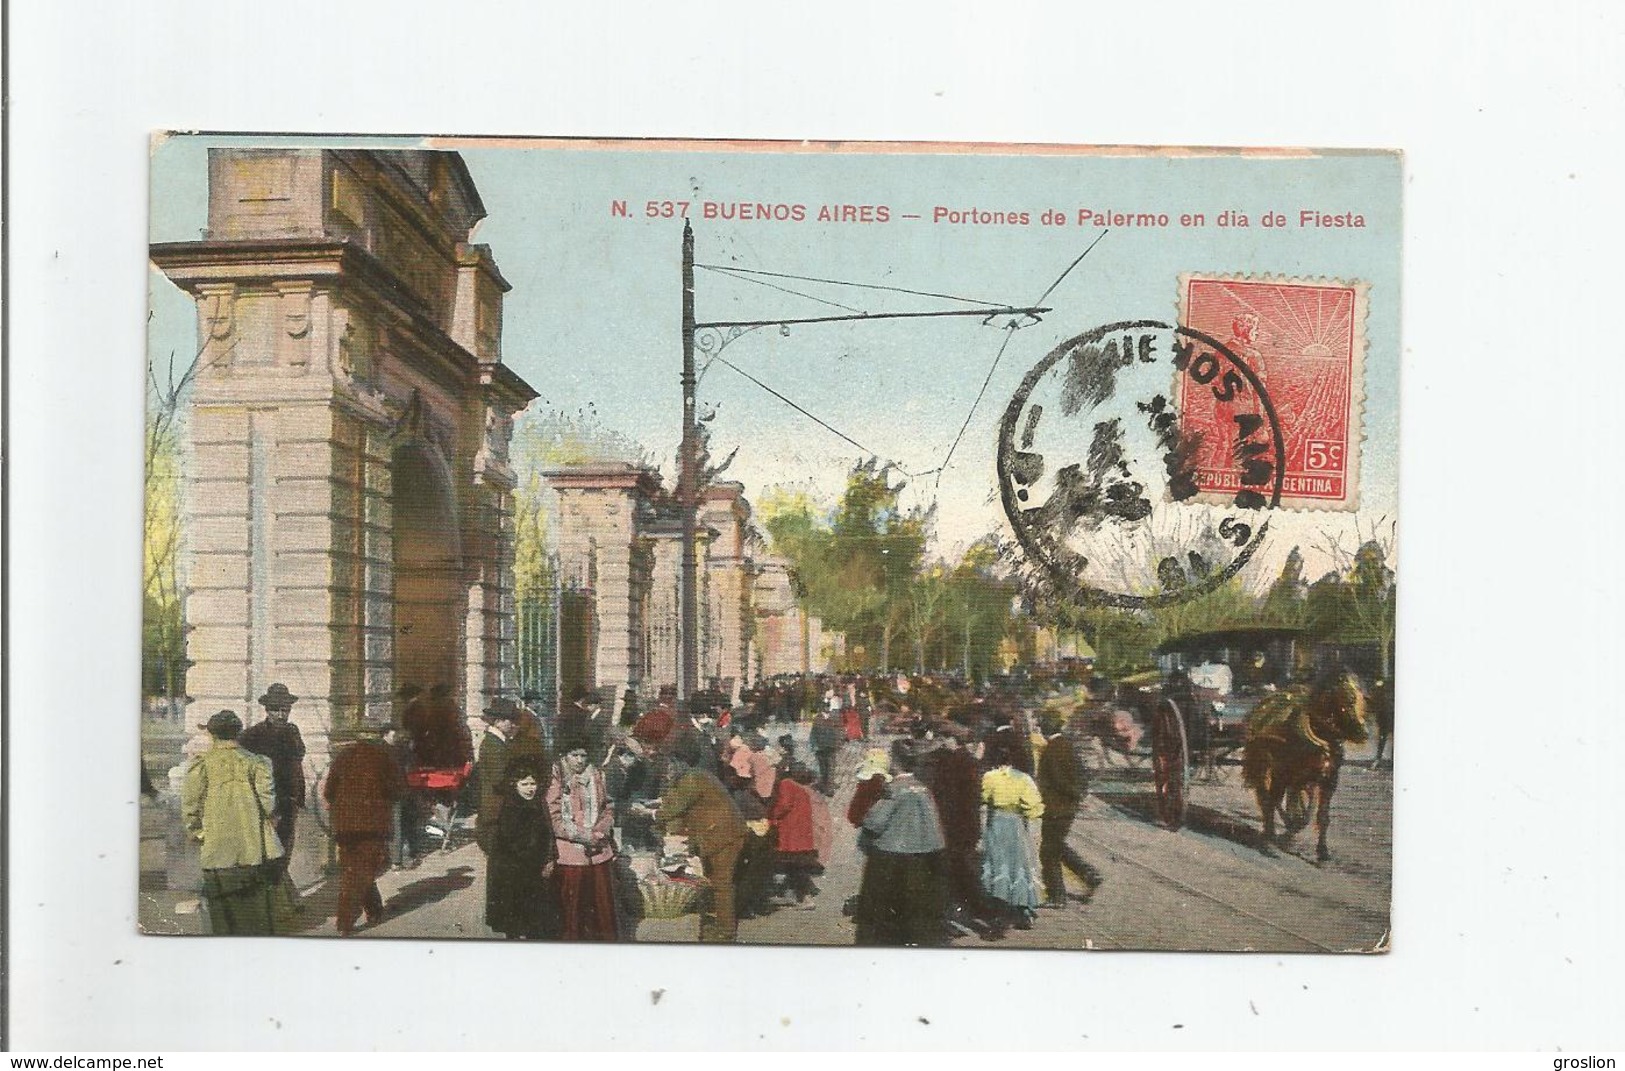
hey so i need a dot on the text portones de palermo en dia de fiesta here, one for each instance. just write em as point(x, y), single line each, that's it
point(797, 212)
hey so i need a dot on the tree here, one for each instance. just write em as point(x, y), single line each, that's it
point(1374, 599)
point(853, 565)
point(926, 596)
point(1284, 603)
point(163, 632)
point(1370, 597)
point(547, 440)
point(977, 616)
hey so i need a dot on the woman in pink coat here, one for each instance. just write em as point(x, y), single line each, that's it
point(583, 817)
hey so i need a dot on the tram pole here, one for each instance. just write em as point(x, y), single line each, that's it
point(688, 495)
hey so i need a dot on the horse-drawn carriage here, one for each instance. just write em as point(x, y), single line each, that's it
point(1287, 704)
point(1206, 688)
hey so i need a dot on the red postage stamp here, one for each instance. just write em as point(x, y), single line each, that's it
point(1305, 341)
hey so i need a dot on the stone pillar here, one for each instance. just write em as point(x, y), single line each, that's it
point(600, 506)
point(662, 626)
point(491, 626)
point(346, 449)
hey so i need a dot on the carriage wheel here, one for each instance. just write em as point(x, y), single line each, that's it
point(1170, 763)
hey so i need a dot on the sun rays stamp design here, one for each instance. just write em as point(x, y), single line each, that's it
point(1305, 341)
point(1099, 470)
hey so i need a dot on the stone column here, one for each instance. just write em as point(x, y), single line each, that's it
point(666, 540)
point(348, 427)
point(599, 511)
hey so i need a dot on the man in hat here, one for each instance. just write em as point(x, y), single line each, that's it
point(1061, 785)
point(414, 719)
point(629, 708)
point(362, 787)
point(952, 774)
point(225, 805)
point(278, 739)
point(585, 722)
point(826, 739)
point(501, 720)
point(698, 807)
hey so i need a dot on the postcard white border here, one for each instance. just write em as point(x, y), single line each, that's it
point(1508, 868)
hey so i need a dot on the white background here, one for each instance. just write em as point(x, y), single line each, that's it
point(1508, 873)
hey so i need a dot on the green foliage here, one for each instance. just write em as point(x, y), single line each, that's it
point(163, 624)
point(852, 566)
point(1358, 606)
point(1351, 605)
point(547, 440)
point(1227, 606)
point(861, 568)
point(1285, 604)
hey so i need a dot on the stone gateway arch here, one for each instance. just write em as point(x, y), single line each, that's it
point(349, 494)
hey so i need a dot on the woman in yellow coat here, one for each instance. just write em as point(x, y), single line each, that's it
point(226, 803)
point(1009, 866)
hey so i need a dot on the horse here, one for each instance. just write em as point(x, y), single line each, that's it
point(1382, 710)
point(1294, 752)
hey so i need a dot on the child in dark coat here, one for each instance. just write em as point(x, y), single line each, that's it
point(520, 897)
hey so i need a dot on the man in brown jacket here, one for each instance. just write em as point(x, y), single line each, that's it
point(699, 807)
point(362, 786)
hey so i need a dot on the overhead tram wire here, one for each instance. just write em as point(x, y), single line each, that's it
point(815, 418)
point(848, 282)
point(731, 273)
point(987, 309)
point(734, 272)
point(1072, 265)
point(1008, 335)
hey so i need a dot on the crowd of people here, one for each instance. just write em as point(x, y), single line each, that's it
point(944, 814)
point(946, 828)
point(749, 810)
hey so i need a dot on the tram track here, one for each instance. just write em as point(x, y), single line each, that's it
point(1118, 854)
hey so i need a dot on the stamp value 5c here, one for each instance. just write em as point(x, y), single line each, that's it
point(1305, 339)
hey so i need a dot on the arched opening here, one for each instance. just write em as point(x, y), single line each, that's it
point(430, 598)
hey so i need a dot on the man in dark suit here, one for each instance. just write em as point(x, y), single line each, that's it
point(1061, 784)
point(437, 730)
point(501, 721)
point(825, 739)
point(278, 739)
point(951, 772)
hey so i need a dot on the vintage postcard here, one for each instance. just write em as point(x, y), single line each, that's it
point(837, 544)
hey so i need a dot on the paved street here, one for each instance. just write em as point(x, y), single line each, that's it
point(1206, 887)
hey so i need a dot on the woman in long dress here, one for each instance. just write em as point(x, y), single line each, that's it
point(583, 818)
point(520, 901)
point(1009, 865)
point(902, 896)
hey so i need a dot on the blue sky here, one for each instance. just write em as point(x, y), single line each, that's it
point(593, 319)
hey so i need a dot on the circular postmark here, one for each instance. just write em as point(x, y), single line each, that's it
point(1137, 464)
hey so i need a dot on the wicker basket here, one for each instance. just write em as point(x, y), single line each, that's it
point(668, 899)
